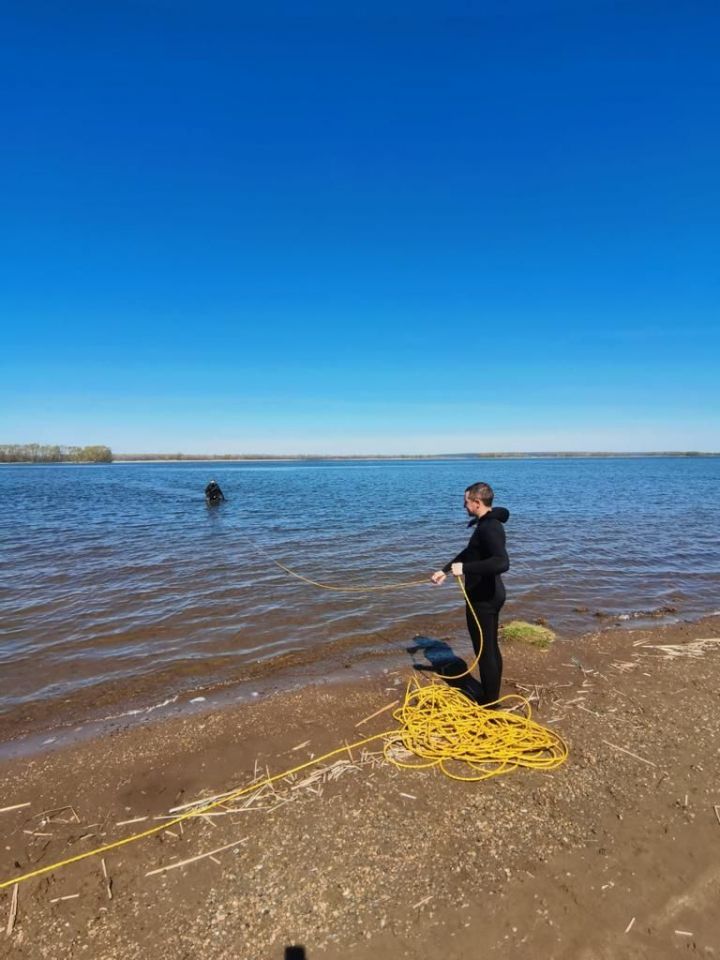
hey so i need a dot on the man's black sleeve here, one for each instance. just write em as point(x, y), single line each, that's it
point(458, 559)
point(497, 562)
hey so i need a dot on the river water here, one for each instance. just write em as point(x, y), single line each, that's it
point(119, 577)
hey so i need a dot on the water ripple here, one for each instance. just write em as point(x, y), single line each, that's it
point(121, 571)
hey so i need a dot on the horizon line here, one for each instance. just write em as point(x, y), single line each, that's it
point(424, 456)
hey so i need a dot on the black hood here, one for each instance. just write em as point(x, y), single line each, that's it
point(497, 513)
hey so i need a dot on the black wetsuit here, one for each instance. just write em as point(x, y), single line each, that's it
point(213, 493)
point(483, 560)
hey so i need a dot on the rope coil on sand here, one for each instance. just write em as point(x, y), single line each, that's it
point(437, 723)
point(446, 729)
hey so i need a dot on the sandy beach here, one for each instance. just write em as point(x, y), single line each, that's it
point(614, 854)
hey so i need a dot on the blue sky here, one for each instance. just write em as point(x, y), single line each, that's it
point(418, 229)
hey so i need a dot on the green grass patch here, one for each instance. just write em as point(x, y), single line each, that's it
point(530, 633)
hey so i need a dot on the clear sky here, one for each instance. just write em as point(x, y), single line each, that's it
point(415, 229)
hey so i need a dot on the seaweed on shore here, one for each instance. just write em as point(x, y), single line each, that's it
point(529, 633)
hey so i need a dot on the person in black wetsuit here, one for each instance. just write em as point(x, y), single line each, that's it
point(481, 563)
point(213, 493)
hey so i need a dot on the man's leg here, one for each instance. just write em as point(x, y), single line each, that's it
point(491, 659)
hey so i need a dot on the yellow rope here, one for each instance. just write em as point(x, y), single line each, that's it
point(197, 812)
point(445, 729)
point(368, 588)
point(438, 724)
point(360, 589)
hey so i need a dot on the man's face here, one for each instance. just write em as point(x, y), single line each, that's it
point(472, 505)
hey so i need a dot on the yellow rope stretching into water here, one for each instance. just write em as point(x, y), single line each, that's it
point(349, 589)
point(438, 724)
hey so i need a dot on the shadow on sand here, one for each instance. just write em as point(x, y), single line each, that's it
point(442, 660)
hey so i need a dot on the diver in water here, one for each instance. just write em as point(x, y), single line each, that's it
point(213, 493)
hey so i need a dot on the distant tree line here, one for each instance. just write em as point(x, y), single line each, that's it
point(47, 453)
point(221, 456)
point(283, 456)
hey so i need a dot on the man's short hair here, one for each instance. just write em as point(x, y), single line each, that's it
point(481, 491)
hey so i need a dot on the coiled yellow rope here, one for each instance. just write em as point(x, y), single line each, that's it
point(445, 729)
point(438, 724)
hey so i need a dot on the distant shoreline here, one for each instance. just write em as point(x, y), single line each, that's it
point(549, 455)
point(300, 457)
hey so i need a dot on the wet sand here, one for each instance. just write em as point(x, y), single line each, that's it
point(612, 855)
